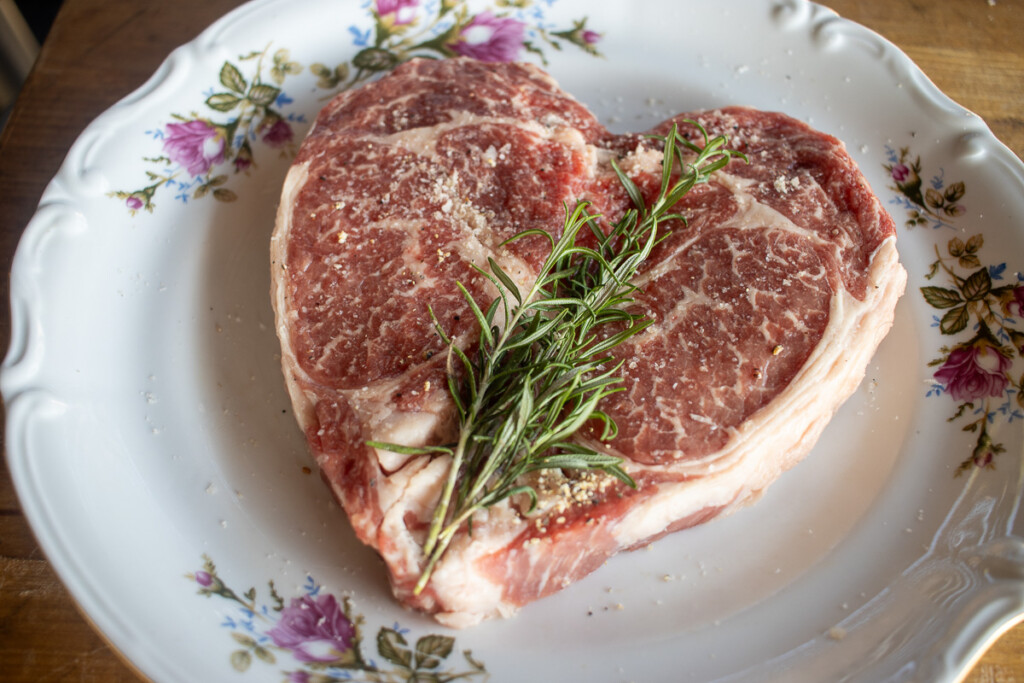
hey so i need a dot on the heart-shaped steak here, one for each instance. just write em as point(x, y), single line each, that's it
point(767, 306)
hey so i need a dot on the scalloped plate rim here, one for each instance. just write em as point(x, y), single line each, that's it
point(18, 385)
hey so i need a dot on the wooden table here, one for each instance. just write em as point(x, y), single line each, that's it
point(100, 50)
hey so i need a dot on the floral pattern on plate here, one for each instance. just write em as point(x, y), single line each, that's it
point(404, 29)
point(197, 147)
point(977, 371)
point(935, 205)
point(323, 638)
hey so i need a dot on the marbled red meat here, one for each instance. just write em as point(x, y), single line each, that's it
point(767, 307)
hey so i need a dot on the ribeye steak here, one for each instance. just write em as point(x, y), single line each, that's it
point(767, 306)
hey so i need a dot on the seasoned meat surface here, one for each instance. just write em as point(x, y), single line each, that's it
point(767, 305)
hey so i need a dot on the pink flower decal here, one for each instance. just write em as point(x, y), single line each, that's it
point(973, 372)
point(400, 11)
point(314, 629)
point(197, 145)
point(900, 172)
point(246, 110)
point(490, 38)
point(1016, 301)
point(243, 160)
point(324, 637)
point(278, 133)
point(982, 455)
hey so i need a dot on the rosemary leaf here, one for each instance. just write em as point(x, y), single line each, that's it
point(540, 375)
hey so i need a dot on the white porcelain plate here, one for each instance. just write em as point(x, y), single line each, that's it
point(152, 443)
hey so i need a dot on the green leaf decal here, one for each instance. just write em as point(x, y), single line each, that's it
point(278, 601)
point(969, 261)
point(430, 650)
point(283, 67)
point(232, 79)
point(223, 101)
point(955, 192)
point(326, 78)
point(243, 639)
point(264, 654)
point(263, 95)
point(940, 297)
point(390, 646)
point(978, 285)
point(240, 660)
point(375, 59)
point(955, 320)
point(959, 413)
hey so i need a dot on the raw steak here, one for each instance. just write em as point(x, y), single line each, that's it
point(767, 305)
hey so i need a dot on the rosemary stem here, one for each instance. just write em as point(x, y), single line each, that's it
point(539, 373)
point(441, 534)
point(438, 529)
point(441, 512)
point(430, 548)
point(441, 542)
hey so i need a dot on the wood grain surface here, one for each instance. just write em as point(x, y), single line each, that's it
point(100, 50)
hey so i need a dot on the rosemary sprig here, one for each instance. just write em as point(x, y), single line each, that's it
point(540, 374)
